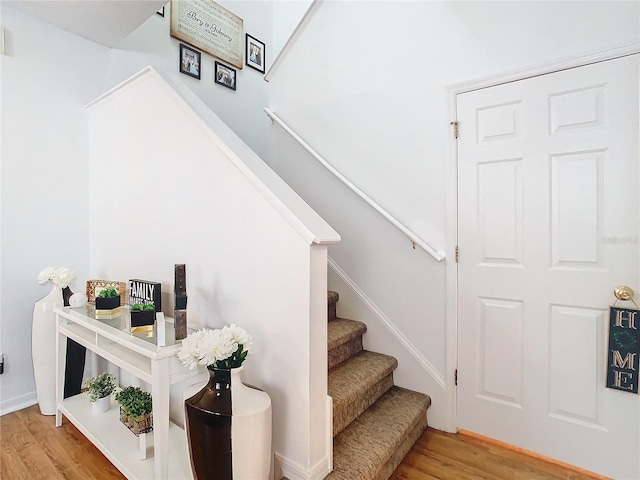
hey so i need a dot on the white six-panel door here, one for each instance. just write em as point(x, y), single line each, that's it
point(548, 226)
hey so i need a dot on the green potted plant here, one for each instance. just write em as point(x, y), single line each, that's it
point(107, 299)
point(136, 407)
point(142, 315)
point(99, 389)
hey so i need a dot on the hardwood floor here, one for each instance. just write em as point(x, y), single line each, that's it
point(33, 449)
point(459, 457)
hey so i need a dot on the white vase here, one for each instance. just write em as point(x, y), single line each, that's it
point(101, 405)
point(250, 427)
point(43, 348)
point(78, 300)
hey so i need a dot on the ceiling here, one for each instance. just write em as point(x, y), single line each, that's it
point(106, 22)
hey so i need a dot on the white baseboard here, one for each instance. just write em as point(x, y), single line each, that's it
point(329, 434)
point(18, 403)
point(294, 471)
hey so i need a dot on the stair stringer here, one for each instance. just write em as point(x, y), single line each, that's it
point(414, 371)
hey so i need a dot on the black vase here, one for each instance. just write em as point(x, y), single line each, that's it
point(76, 354)
point(208, 425)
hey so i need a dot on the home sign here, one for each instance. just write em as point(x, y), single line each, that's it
point(624, 349)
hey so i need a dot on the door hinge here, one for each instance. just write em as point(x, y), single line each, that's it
point(455, 128)
point(456, 377)
point(457, 254)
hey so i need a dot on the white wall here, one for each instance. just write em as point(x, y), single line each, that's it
point(366, 85)
point(166, 190)
point(150, 44)
point(47, 77)
point(371, 95)
point(287, 14)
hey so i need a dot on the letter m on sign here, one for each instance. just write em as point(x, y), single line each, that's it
point(626, 362)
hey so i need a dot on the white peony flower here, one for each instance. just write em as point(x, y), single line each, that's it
point(214, 346)
point(223, 348)
point(187, 353)
point(240, 336)
point(63, 277)
point(46, 275)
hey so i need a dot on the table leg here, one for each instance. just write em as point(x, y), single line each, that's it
point(160, 393)
point(61, 360)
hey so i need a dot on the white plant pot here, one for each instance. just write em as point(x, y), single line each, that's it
point(101, 405)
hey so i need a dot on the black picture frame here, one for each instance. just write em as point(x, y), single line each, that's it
point(161, 12)
point(190, 61)
point(254, 53)
point(225, 75)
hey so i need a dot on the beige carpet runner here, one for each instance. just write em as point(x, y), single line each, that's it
point(375, 423)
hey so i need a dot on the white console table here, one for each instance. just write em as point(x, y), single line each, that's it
point(139, 355)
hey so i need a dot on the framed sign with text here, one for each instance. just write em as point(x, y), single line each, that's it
point(209, 27)
point(624, 349)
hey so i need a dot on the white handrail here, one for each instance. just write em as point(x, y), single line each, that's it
point(415, 239)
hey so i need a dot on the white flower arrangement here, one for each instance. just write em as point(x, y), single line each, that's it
point(63, 277)
point(221, 348)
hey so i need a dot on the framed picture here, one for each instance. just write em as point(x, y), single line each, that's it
point(255, 53)
point(161, 12)
point(94, 287)
point(190, 61)
point(209, 27)
point(225, 75)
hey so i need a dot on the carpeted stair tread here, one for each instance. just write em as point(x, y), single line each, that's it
point(332, 299)
point(357, 383)
point(344, 340)
point(341, 331)
point(375, 424)
point(376, 442)
point(347, 412)
point(351, 379)
point(402, 450)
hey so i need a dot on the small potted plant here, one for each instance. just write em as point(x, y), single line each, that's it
point(136, 409)
point(99, 390)
point(107, 299)
point(142, 315)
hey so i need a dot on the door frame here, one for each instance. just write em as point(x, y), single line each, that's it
point(451, 200)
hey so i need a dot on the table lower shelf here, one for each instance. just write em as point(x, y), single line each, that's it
point(120, 445)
